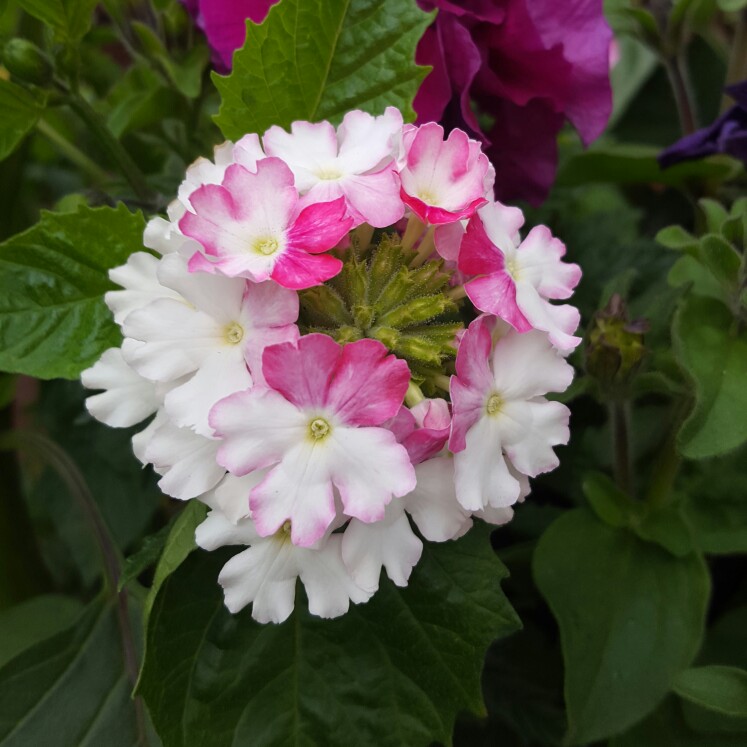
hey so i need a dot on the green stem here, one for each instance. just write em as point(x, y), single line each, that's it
point(413, 395)
point(737, 69)
point(620, 423)
point(675, 70)
point(76, 484)
point(73, 153)
point(113, 148)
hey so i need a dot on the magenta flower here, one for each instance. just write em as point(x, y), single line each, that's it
point(224, 24)
point(528, 66)
point(254, 225)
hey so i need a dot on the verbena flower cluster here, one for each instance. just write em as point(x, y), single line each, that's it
point(347, 346)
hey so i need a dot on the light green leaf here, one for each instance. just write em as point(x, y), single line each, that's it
point(714, 212)
point(317, 59)
point(716, 688)
point(24, 624)
point(53, 320)
point(716, 359)
point(635, 66)
point(70, 19)
point(394, 671)
point(723, 261)
point(689, 271)
point(631, 617)
point(676, 237)
point(70, 690)
point(20, 109)
point(731, 6)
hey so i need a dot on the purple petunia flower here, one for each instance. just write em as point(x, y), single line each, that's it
point(527, 66)
point(728, 134)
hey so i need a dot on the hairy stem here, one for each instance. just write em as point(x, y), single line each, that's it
point(73, 153)
point(620, 424)
point(112, 147)
point(675, 67)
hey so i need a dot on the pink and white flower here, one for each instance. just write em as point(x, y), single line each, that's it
point(500, 417)
point(265, 574)
point(254, 225)
point(516, 279)
point(214, 331)
point(316, 425)
point(442, 180)
point(356, 162)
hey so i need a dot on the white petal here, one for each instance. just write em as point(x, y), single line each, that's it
point(128, 397)
point(433, 504)
point(369, 467)
point(389, 543)
point(480, 472)
point(264, 575)
point(329, 587)
point(217, 531)
point(140, 285)
point(141, 440)
point(223, 372)
point(231, 497)
point(186, 461)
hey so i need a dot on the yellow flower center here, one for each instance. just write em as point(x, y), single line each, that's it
point(319, 429)
point(233, 333)
point(266, 246)
point(512, 268)
point(494, 404)
point(428, 197)
point(328, 175)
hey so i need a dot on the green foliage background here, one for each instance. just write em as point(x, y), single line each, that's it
point(612, 611)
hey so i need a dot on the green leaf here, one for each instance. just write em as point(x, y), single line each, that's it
point(715, 214)
point(53, 320)
point(179, 543)
point(70, 690)
point(631, 617)
point(690, 271)
point(609, 503)
point(24, 624)
point(714, 504)
point(318, 59)
point(716, 359)
point(716, 688)
point(676, 237)
point(394, 671)
point(667, 727)
point(731, 6)
point(21, 110)
point(70, 19)
point(625, 164)
point(146, 555)
point(635, 66)
point(720, 257)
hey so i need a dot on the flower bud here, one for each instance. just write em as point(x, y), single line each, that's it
point(615, 346)
point(25, 61)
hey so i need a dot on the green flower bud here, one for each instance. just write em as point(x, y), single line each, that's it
point(615, 346)
point(25, 61)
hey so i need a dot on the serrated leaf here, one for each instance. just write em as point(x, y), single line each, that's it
point(21, 110)
point(631, 617)
point(70, 690)
point(53, 320)
point(715, 356)
point(317, 59)
point(394, 671)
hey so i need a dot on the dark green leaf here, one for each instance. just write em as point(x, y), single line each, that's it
point(676, 237)
point(721, 259)
point(392, 672)
point(145, 556)
point(20, 111)
point(625, 164)
point(635, 66)
point(70, 690)
point(317, 59)
point(716, 359)
point(716, 688)
point(689, 271)
point(70, 19)
point(715, 214)
point(666, 727)
point(31, 621)
point(631, 617)
point(53, 320)
point(608, 502)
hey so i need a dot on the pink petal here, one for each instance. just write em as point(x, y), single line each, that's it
point(320, 226)
point(478, 255)
point(375, 198)
point(298, 270)
point(368, 384)
point(496, 294)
